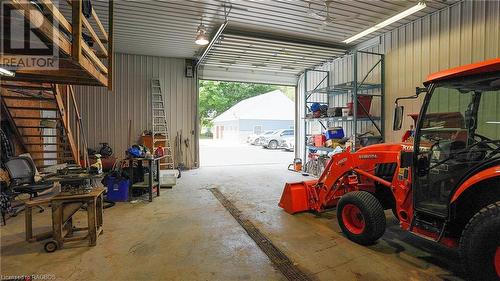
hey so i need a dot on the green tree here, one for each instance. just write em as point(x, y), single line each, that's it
point(218, 96)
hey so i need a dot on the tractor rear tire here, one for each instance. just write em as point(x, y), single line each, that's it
point(480, 244)
point(361, 217)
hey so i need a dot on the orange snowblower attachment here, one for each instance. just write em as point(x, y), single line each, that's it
point(296, 197)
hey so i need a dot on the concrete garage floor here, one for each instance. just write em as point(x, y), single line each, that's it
point(186, 234)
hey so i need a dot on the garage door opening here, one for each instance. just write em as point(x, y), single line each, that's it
point(246, 123)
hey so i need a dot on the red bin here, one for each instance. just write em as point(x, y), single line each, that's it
point(319, 140)
point(366, 101)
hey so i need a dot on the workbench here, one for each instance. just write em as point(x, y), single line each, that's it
point(63, 208)
point(150, 183)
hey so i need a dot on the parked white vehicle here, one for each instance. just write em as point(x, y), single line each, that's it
point(288, 144)
point(257, 139)
point(276, 139)
point(252, 138)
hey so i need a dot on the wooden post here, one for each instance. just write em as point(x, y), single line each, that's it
point(66, 110)
point(78, 141)
point(92, 221)
point(110, 46)
point(57, 223)
point(76, 46)
point(67, 105)
point(100, 206)
point(28, 220)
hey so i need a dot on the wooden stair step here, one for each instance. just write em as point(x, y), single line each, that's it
point(35, 118)
point(38, 108)
point(26, 87)
point(45, 143)
point(50, 151)
point(41, 136)
point(29, 98)
point(36, 127)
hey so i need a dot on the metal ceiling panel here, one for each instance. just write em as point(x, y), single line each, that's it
point(168, 27)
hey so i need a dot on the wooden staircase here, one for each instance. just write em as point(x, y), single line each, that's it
point(40, 115)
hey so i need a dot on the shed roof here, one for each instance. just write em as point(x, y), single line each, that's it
point(269, 106)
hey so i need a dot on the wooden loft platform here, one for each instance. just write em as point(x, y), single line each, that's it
point(86, 61)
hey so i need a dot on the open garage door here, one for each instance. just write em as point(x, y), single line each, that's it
point(246, 56)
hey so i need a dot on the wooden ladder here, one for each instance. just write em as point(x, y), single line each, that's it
point(39, 114)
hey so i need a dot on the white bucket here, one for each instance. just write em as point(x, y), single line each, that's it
point(168, 178)
point(345, 111)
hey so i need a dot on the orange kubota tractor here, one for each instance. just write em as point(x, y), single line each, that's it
point(444, 186)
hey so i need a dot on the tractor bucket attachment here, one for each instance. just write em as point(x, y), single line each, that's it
point(295, 197)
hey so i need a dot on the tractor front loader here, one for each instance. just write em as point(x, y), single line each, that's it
point(365, 169)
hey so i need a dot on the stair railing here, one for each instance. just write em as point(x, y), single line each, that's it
point(65, 98)
point(81, 139)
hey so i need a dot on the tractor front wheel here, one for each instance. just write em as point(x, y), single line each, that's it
point(361, 217)
point(480, 244)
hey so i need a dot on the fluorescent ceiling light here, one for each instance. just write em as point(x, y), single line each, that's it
point(387, 22)
point(5, 72)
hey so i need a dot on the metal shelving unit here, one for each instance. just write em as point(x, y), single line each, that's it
point(367, 79)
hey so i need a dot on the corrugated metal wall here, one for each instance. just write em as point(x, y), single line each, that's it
point(106, 114)
point(463, 33)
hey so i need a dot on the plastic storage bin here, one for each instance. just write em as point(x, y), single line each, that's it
point(319, 140)
point(168, 178)
point(117, 189)
point(366, 101)
point(335, 133)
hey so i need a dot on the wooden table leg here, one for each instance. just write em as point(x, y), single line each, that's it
point(91, 213)
point(100, 207)
point(28, 223)
point(57, 227)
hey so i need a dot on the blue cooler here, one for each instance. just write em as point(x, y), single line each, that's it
point(335, 133)
point(117, 189)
